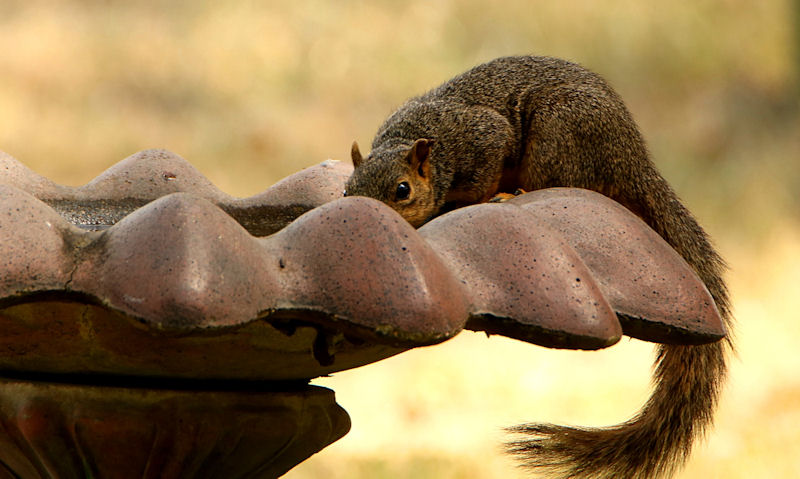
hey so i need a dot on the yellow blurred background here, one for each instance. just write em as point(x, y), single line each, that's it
point(250, 92)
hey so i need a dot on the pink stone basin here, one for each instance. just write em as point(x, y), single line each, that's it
point(150, 271)
point(154, 326)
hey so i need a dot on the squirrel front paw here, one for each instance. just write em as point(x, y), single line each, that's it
point(501, 197)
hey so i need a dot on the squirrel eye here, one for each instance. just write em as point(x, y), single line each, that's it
point(403, 191)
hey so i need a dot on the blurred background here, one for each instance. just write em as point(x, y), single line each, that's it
point(250, 92)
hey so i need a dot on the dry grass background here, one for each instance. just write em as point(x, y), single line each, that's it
point(250, 92)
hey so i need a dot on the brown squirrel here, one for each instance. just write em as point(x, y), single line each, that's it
point(538, 122)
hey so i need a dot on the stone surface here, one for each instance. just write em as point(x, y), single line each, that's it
point(76, 431)
point(346, 283)
point(154, 326)
point(151, 174)
point(655, 293)
point(523, 280)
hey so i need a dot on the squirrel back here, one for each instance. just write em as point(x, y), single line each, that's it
point(538, 122)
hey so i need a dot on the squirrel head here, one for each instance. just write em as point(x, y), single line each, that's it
point(398, 176)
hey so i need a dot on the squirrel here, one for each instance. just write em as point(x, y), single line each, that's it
point(531, 122)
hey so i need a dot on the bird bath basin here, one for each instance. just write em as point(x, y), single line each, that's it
point(154, 326)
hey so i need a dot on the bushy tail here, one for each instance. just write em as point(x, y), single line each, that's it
point(687, 379)
point(654, 443)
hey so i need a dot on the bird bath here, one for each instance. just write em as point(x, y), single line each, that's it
point(154, 326)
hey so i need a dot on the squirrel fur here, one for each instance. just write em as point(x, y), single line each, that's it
point(538, 122)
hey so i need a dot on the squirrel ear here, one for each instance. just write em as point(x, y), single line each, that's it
point(356, 155)
point(418, 158)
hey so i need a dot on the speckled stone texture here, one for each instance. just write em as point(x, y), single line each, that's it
point(148, 278)
point(347, 281)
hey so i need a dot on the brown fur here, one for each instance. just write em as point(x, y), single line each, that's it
point(538, 122)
